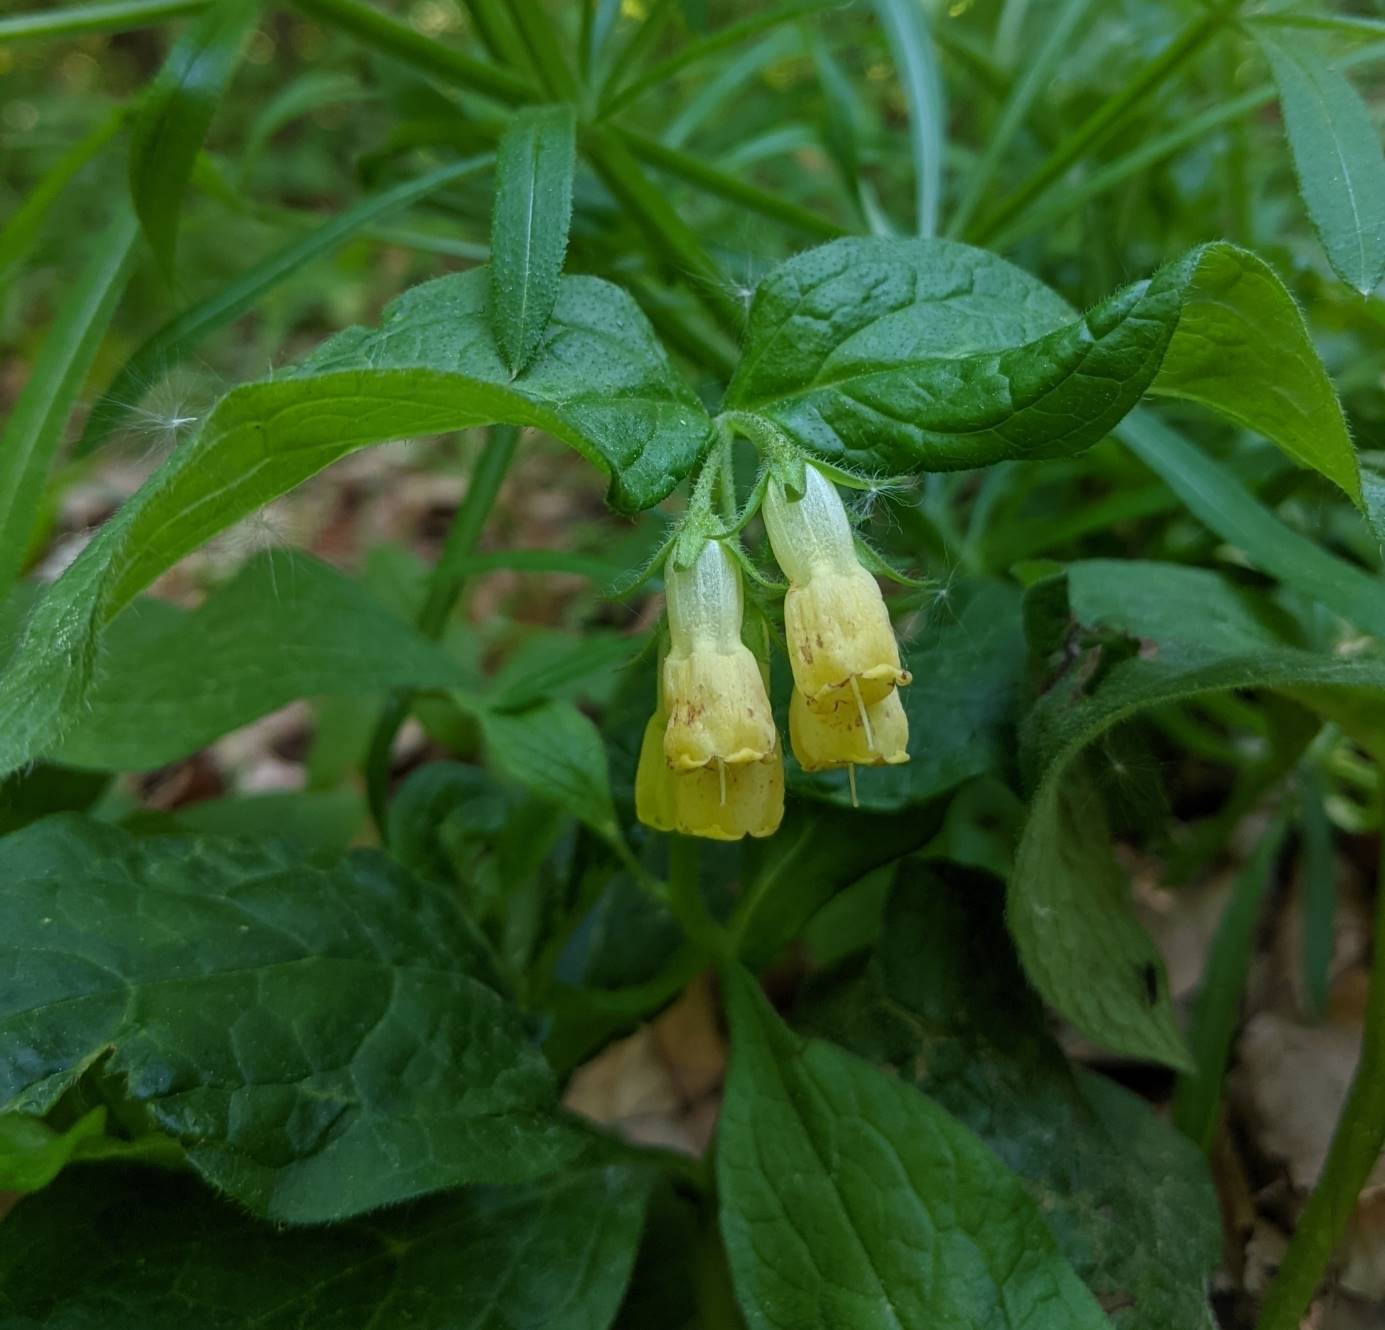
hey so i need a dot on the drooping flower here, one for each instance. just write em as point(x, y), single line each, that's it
point(718, 710)
point(845, 734)
point(841, 645)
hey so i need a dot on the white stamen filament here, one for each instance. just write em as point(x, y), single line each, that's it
point(865, 718)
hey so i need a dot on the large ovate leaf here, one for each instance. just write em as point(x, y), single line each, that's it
point(1069, 907)
point(287, 626)
point(323, 1037)
point(893, 356)
point(849, 1201)
point(600, 381)
point(156, 1252)
point(944, 1005)
point(1337, 156)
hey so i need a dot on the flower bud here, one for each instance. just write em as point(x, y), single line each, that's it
point(841, 643)
point(848, 735)
point(718, 710)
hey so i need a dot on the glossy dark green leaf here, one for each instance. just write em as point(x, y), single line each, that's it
point(157, 1252)
point(886, 356)
point(287, 626)
point(176, 339)
point(1069, 908)
point(1337, 156)
point(34, 431)
point(849, 1200)
point(320, 1035)
point(529, 225)
point(944, 1006)
point(175, 112)
point(600, 382)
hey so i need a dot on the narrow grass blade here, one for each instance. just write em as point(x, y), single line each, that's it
point(906, 30)
point(529, 227)
point(34, 431)
point(1218, 1005)
point(1218, 500)
point(24, 227)
point(1036, 77)
point(117, 17)
point(174, 115)
point(178, 336)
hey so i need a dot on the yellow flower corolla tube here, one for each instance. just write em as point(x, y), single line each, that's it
point(718, 710)
point(717, 801)
point(848, 735)
point(841, 644)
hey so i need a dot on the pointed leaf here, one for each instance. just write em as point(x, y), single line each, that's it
point(849, 1201)
point(175, 112)
point(1337, 157)
point(529, 225)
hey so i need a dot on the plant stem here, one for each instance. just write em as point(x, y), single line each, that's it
point(730, 187)
point(671, 236)
point(389, 36)
point(497, 33)
point(684, 896)
point(1356, 1145)
point(1105, 119)
point(445, 587)
point(117, 17)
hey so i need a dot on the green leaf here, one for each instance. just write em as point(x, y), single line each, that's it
point(315, 819)
point(885, 356)
point(1217, 499)
point(556, 752)
point(943, 1005)
point(601, 382)
point(1096, 965)
point(175, 112)
point(967, 658)
point(287, 626)
point(818, 851)
point(850, 1200)
point(114, 15)
point(32, 1153)
point(34, 431)
point(175, 339)
point(1337, 157)
point(529, 225)
point(319, 1035)
point(157, 1253)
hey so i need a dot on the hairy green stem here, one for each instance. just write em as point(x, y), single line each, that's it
point(389, 36)
point(1356, 1145)
point(445, 587)
point(1105, 120)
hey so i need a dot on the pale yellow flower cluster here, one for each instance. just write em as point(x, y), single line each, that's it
point(711, 764)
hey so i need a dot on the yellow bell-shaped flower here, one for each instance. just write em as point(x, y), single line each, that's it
point(718, 710)
point(720, 801)
point(841, 644)
point(849, 735)
point(725, 802)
